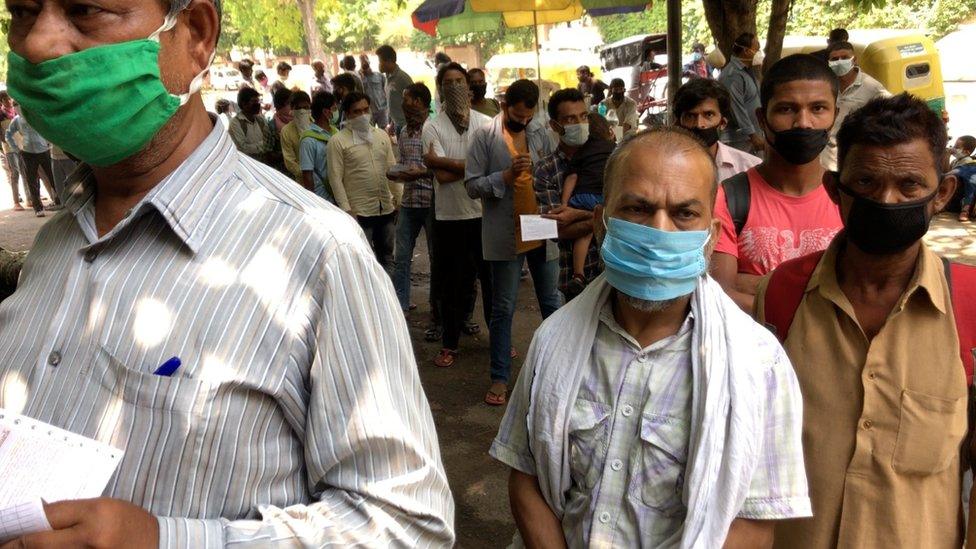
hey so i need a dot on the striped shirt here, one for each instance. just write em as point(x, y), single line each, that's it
point(288, 422)
point(418, 193)
point(629, 436)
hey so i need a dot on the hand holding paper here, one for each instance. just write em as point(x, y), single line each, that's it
point(536, 227)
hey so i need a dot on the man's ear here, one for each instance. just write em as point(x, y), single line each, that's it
point(723, 124)
point(203, 23)
point(761, 117)
point(830, 182)
point(945, 192)
point(714, 233)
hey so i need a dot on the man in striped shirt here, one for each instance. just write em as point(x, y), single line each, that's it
point(296, 416)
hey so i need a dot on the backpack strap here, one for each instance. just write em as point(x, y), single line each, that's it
point(962, 287)
point(738, 197)
point(785, 291)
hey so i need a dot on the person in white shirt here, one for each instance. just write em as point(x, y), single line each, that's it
point(621, 110)
point(856, 89)
point(651, 411)
point(458, 256)
point(703, 107)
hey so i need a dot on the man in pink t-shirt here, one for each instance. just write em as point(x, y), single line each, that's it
point(789, 213)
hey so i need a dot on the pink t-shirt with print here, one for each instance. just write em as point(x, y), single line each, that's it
point(780, 227)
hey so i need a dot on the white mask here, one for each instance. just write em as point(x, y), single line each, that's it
point(575, 135)
point(303, 119)
point(841, 66)
point(360, 127)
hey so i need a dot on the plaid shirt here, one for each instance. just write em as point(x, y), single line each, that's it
point(420, 192)
point(550, 174)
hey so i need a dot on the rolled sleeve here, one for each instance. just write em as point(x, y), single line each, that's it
point(511, 444)
point(479, 182)
point(778, 489)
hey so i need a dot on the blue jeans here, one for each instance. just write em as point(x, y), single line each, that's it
point(968, 191)
point(505, 282)
point(409, 223)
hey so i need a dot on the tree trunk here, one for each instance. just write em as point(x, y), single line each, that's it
point(727, 19)
point(313, 39)
point(10, 264)
point(779, 15)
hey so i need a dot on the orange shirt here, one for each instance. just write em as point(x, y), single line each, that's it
point(523, 201)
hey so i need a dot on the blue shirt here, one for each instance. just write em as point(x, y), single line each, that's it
point(312, 158)
point(33, 142)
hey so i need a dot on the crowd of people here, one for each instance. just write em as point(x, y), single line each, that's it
point(745, 340)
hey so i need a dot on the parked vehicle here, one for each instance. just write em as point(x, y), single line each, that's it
point(225, 79)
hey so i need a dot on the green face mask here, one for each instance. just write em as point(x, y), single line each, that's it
point(101, 105)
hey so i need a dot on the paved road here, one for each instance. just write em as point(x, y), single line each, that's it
point(465, 425)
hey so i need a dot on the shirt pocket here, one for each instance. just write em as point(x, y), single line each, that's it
point(658, 474)
point(930, 432)
point(587, 442)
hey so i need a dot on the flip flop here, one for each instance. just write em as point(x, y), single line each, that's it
point(496, 399)
point(514, 353)
point(446, 358)
point(470, 328)
point(434, 333)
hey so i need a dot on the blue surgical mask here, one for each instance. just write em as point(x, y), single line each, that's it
point(651, 264)
point(696, 56)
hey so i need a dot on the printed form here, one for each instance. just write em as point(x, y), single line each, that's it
point(42, 463)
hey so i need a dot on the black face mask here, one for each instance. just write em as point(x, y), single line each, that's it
point(479, 91)
point(514, 126)
point(618, 97)
point(884, 229)
point(799, 145)
point(708, 135)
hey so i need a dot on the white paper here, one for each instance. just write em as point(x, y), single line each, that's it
point(536, 227)
point(42, 462)
point(23, 519)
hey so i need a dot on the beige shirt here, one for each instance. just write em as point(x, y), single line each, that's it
point(291, 138)
point(732, 161)
point(250, 136)
point(884, 420)
point(357, 173)
point(864, 89)
point(626, 113)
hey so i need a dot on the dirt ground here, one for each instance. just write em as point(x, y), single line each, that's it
point(465, 425)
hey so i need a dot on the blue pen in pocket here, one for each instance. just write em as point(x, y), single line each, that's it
point(169, 367)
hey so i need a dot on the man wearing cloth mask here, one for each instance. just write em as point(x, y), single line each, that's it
point(480, 101)
point(621, 110)
point(743, 131)
point(458, 256)
point(856, 89)
point(248, 129)
point(703, 107)
point(359, 158)
point(651, 411)
point(312, 155)
point(499, 172)
point(779, 210)
point(872, 333)
point(293, 411)
point(291, 134)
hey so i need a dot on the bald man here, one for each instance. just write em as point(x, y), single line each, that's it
point(619, 433)
point(230, 332)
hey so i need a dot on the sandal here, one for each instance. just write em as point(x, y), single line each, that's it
point(494, 398)
point(514, 353)
point(434, 333)
point(446, 359)
point(964, 216)
point(470, 328)
point(18, 207)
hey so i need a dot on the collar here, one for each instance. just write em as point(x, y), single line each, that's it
point(319, 129)
point(185, 198)
point(722, 155)
point(928, 280)
point(608, 319)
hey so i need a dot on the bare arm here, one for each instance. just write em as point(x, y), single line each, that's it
point(537, 524)
point(750, 534)
point(725, 270)
point(572, 223)
point(569, 185)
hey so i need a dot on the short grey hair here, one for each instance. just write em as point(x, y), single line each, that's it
point(176, 6)
point(667, 140)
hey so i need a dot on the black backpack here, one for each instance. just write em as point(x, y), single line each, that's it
point(738, 197)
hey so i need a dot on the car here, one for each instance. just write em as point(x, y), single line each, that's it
point(226, 79)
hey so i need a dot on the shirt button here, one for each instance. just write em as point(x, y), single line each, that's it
point(868, 424)
point(642, 357)
point(54, 358)
point(616, 465)
point(628, 410)
point(604, 517)
point(90, 256)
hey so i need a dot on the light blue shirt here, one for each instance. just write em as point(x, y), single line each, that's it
point(33, 142)
point(312, 158)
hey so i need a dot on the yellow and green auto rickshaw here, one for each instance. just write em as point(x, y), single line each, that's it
point(902, 60)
